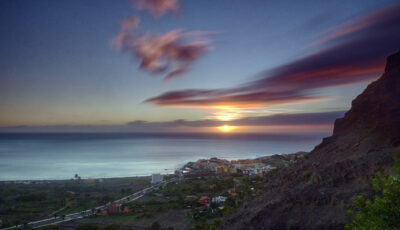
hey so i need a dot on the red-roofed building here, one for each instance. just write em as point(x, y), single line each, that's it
point(232, 191)
point(126, 209)
point(113, 208)
point(205, 200)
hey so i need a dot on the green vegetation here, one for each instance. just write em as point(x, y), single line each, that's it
point(25, 202)
point(154, 226)
point(204, 225)
point(176, 205)
point(122, 217)
point(184, 196)
point(383, 211)
point(97, 227)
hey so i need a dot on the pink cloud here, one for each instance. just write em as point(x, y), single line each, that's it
point(157, 7)
point(126, 24)
point(381, 18)
point(357, 54)
point(171, 53)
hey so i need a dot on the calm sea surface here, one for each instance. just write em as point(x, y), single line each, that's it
point(60, 156)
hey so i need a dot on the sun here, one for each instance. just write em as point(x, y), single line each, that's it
point(226, 128)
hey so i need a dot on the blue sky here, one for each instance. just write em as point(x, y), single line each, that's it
point(58, 65)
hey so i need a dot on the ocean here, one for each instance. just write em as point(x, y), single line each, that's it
point(61, 156)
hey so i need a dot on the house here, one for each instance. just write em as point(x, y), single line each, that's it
point(156, 178)
point(104, 213)
point(219, 199)
point(204, 200)
point(268, 168)
point(232, 169)
point(220, 169)
point(126, 209)
point(225, 169)
point(232, 191)
point(246, 171)
point(113, 208)
point(190, 198)
point(249, 171)
point(252, 171)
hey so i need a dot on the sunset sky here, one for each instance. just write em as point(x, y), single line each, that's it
point(189, 65)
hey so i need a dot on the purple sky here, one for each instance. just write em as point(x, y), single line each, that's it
point(187, 65)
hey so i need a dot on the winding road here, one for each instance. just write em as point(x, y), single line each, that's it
point(78, 215)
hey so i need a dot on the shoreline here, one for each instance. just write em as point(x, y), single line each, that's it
point(71, 179)
point(38, 159)
point(180, 166)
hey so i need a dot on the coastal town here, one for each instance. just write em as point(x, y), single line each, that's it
point(219, 167)
point(200, 192)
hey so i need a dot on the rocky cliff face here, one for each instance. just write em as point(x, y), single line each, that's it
point(377, 109)
point(315, 192)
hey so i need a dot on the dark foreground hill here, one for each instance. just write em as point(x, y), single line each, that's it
point(316, 191)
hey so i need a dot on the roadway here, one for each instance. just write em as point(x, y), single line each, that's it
point(78, 215)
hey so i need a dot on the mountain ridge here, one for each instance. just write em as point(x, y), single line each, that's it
point(315, 192)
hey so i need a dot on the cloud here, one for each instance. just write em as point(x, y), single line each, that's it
point(157, 7)
point(313, 122)
point(237, 97)
point(322, 118)
point(384, 17)
point(167, 53)
point(353, 52)
point(126, 25)
point(171, 53)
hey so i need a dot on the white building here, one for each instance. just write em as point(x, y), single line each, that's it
point(268, 168)
point(156, 178)
point(219, 199)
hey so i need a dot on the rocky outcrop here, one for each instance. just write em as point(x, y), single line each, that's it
point(377, 109)
point(315, 192)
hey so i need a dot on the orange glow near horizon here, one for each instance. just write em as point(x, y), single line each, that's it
point(276, 129)
point(226, 128)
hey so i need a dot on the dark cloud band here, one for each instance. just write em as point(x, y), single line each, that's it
point(355, 53)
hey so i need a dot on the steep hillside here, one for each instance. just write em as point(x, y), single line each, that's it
point(315, 192)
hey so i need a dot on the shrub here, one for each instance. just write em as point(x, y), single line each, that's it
point(155, 226)
point(31, 197)
point(87, 227)
point(112, 227)
point(383, 211)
